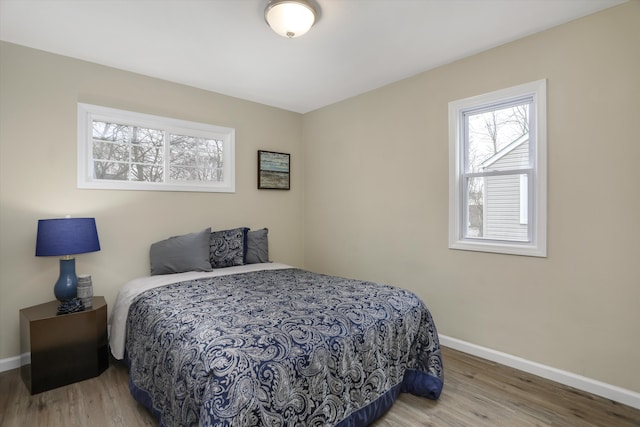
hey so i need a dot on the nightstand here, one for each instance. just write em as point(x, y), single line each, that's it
point(65, 348)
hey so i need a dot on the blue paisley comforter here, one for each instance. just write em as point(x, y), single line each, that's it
point(279, 348)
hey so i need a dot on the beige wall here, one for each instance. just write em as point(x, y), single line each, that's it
point(376, 200)
point(39, 93)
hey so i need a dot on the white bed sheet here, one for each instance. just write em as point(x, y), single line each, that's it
point(133, 288)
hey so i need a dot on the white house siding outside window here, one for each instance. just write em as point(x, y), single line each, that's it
point(497, 171)
point(125, 150)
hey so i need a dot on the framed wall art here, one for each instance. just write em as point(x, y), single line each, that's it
point(273, 170)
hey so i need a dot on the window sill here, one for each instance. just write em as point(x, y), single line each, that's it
point(525, 249)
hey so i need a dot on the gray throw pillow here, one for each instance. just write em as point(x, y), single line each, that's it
point(257, 246)
point(189, 252)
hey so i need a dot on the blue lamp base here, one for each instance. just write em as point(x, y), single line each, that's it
point(66, 288)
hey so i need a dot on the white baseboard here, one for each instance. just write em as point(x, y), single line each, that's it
point(618, 394)
point(14, 362)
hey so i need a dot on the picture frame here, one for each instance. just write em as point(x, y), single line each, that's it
point(273, 170)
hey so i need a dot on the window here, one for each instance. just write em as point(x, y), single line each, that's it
point(497, 171)
point(124, 150)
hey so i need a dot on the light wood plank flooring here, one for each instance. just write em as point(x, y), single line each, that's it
point(477, 393)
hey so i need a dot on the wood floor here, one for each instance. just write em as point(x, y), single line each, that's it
point(477, 393)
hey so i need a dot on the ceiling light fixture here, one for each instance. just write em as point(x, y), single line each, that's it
point(290, 18)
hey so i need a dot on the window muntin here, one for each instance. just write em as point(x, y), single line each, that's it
point(498, 171)
point(120, 149)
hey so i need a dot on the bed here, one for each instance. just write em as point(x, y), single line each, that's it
point(270, 344)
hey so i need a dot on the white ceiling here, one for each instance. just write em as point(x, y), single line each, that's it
point(225, 46)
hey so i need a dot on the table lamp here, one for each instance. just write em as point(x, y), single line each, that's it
point(66, 237)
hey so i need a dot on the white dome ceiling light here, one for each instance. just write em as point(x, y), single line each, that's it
point(290, 18)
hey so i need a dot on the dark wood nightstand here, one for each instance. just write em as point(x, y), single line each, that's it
point(65, 348)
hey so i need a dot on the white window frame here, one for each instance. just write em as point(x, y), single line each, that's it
point(537, 185)
point(87, 113)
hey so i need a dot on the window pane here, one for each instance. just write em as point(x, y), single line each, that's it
point(498, 139)
point(104, 150)
point(196, 159)
point(146, 173)
point(495, 208)
point(111, 170)
point(147, 153)
point(147, 145)
point(110, 131)
point(185, 173)
point(110, 142)
point(475, 207)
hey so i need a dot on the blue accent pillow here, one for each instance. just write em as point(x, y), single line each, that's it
point(228, 247)
point(257, 246)
point(189, 252)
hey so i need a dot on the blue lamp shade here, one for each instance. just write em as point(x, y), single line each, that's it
point(65, 237)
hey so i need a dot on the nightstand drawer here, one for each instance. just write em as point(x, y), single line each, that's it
point(64, 349)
